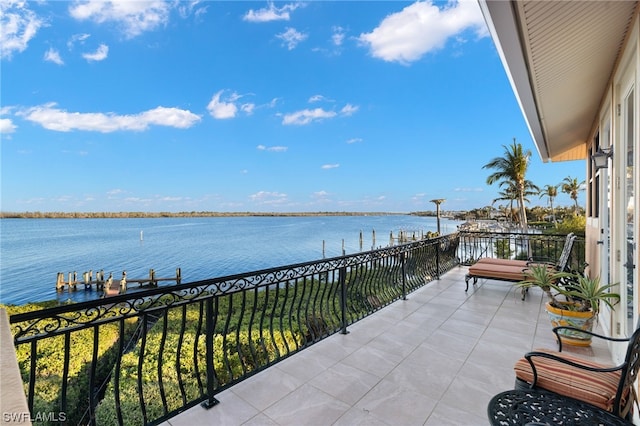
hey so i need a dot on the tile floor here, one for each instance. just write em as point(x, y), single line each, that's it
point(434, 359)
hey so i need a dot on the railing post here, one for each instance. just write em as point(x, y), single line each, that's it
point(403, 264)
point(342, 279)
point(439, 244)
point(209, 338)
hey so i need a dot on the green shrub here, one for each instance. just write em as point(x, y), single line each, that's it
point(503, 249)
point(235, 355)
point(50, 354)
point(575, 224)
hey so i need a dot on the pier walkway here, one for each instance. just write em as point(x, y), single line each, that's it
point(434, 359)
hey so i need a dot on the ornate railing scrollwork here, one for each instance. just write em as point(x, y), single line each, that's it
point(143, 357)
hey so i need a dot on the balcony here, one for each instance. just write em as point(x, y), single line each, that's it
point(382, 337)
point(434, 359)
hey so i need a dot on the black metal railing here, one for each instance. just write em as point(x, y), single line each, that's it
point(142, 358)
point(510, 245)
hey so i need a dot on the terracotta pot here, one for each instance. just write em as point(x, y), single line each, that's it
point(581, 320)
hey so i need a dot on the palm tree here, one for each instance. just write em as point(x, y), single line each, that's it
point(511, 170)
point(572, 187)
point(508, 194)
point(550, 191)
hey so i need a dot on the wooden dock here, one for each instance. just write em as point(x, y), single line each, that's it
point(111, 286)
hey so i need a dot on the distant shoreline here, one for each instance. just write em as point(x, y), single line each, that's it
point(116, 215)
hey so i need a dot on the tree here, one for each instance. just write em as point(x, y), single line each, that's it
point(551, 192)
point(511, 170)
point(508, 194)
point(572, 187)
point(537, 213)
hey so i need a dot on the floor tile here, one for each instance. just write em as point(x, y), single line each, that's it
point(435, 359)
point(307, 405)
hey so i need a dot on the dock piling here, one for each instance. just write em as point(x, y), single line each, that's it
point(123, 282)
point(111, 286)
point(60, 281)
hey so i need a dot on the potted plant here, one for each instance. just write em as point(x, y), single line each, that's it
point(573, 300)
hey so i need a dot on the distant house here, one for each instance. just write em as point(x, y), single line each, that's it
point(575, 70)
point(482, 225)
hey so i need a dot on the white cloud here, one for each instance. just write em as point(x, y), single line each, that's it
point(319, 98)
point(18, 26)
point(195, 7)
point(227, 107)
point(172, 117)
point(114, 192)
point(469, 190)
point(7, 126)
point(265, 197)
point(222, 109)
point(348, 110)
point(171, 199)
point(52, 118)
point(354, 140)
point(52, 55)
point(336, 41)
point(99, 55)
point(132, 17)
point(338, 36)
point(272, 148)
point(330, 166)
point(271, 13)
point(420, 28)
point(307, 116)
point(77, 38)
point(291, 38)
point(248, 108)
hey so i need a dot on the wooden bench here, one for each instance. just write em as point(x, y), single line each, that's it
point(512, 270)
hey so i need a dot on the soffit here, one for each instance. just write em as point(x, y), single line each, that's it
point(570, 50)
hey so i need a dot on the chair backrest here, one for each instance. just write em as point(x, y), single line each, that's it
point(563, 261)
point(625, 397)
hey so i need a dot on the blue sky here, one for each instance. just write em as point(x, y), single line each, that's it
point(254, 106)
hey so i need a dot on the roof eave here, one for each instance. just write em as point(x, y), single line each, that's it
point(502, 21)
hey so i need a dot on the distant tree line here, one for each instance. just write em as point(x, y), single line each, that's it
point(116, 215)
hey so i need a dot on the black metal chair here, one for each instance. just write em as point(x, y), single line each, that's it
point(608, 387)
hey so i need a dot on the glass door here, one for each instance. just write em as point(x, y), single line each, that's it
point(630, 256)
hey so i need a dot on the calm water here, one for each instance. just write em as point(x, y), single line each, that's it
point(33, 251)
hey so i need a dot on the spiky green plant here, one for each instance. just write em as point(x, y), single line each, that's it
point(587, 293)
point(583, 293)
point(545, 278)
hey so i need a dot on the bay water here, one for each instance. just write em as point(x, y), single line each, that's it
point(33, 251)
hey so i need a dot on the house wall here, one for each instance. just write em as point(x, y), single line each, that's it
point(608, 204)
